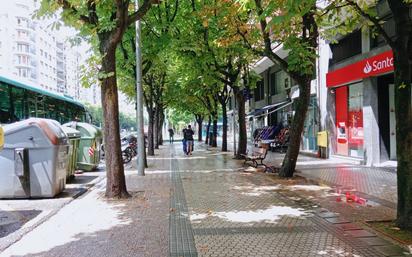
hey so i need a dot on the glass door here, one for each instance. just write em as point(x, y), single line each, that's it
point(355, 121)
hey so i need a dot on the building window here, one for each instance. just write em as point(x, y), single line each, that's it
point(272, 83)
point(279, 82)
point(347, 47)
point(389, 27)
point(23, 48)
point(259, 91)
point(23, 72)
point(22, 59)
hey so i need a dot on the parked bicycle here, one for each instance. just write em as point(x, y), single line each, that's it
point(129, 148)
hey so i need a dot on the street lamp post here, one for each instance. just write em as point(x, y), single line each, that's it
point(139, 101)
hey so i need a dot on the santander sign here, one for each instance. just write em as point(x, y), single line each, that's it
point(373, 66)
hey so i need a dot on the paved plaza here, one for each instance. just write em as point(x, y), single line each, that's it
point(208, 204)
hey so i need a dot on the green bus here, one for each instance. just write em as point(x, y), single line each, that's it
point(20, 101)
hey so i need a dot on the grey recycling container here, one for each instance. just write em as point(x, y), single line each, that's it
point(34, 159)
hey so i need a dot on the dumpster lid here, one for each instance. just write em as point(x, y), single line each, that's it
point(51, 128)
point(85, 129)
point(71, 132)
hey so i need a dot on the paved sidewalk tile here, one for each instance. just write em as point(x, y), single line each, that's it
point(236, 213)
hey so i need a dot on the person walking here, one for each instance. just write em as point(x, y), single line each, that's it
point(184, 141)
point(171, 134)
point(189, 139)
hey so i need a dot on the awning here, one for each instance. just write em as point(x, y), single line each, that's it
point(254, 113)
point(267, 107)
point(280, 107)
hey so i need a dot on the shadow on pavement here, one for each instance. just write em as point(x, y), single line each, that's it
point(11, 221)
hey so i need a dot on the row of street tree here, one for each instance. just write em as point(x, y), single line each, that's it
point(197, 53)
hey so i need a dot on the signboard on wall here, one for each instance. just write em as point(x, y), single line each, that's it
point(373, 66)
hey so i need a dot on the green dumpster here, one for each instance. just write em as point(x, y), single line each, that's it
point(74, 140)
point(88, 155)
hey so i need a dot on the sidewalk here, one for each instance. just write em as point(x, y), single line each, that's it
point(375, 183)
point(20, 216)
point(207, 205)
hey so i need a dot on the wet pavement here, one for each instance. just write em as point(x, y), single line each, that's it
point(208, 205)
point(375, 183)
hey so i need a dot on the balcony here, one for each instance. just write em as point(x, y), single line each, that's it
point(22, 52)
point(22, 65)
point(23, 39)
point(61, 76)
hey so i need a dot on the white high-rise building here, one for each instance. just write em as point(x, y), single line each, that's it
point(18, 55)
point(73, 76)
point(31, 52)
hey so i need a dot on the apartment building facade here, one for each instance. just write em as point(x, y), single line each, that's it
point(33, 53)
point(274, 95)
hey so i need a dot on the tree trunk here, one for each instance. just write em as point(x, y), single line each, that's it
point(155, 128)
point(199, 121)
point(150, 132)
point(296, 129)
point(214, 137)
point(145, 155)
point(224, 126)
point(242, 143)
point(208, 130)
point(160, 126)
point(116, 182)
point(403, 112)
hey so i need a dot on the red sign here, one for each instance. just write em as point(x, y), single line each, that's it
point(378, 64)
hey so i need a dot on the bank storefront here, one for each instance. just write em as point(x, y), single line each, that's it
point(364, 118)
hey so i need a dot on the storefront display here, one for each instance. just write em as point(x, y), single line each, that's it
point(349, 120)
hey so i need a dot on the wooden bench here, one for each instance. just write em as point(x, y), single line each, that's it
point(257, 155)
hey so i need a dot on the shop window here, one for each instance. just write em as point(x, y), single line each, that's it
point(349, 120)
point(355, 121)
point(311, 126)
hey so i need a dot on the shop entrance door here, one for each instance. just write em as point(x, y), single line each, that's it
point(341, 100)
point(392, 122)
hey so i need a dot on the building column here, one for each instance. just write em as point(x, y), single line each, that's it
point(370, 122)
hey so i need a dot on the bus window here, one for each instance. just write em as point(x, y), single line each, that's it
point(50, 107)
point(31, 105)
point(18, 103)
point(5, 108)
point(61, 111)
point(41, 108)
